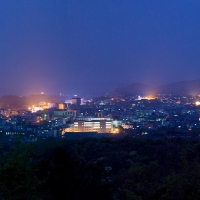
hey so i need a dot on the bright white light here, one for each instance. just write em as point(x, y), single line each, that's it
point(197, 103)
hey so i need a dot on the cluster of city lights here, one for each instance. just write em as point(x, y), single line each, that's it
point(146, 98)
point(197, 103)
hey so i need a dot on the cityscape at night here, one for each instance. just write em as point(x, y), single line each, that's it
point(164, 115)
point(99, 99)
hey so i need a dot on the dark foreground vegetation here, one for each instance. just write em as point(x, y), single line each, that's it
point(105, 168)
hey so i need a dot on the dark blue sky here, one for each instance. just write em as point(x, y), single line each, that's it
point(86, 46)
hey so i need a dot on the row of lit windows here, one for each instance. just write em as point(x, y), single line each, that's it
point(95, 126)
point(14, 133)
point(90, 119)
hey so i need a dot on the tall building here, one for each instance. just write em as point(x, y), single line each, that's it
point(76, 101)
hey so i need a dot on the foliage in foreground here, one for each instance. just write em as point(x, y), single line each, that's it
point(103, 168)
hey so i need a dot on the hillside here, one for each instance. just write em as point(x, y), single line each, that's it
point(179, 88)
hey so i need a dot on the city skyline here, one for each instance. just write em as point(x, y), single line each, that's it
point(76, 47)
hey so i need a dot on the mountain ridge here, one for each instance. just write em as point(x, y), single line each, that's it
point(185, 87)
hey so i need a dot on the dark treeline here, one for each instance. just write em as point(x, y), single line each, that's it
point(105, 168)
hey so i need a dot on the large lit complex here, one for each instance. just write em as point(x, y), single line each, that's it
point(101, 126)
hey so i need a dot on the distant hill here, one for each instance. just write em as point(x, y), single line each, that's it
point(134, 89)
point(181, 88)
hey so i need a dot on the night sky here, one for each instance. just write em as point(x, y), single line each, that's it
point(93, 46)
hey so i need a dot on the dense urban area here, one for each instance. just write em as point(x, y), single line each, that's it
point(125, 147)
point(151, 116)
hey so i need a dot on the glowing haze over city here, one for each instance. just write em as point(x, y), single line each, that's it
point(87, 47)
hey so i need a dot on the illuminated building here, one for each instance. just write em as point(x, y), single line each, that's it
point(65, 113)
point(52, 105)
point(146, 98)
point(99, 114)
point(127, 126)
point(41, 106)
point(36, 108)
point(102, 126)
point(117, 123)
point(67, 129)
point(60, 121)
point(93, 118)
point(76, 101)
point(15, 132)
point(197, 103)
point(61, 106)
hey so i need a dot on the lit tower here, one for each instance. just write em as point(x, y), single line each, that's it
point(76, 101)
